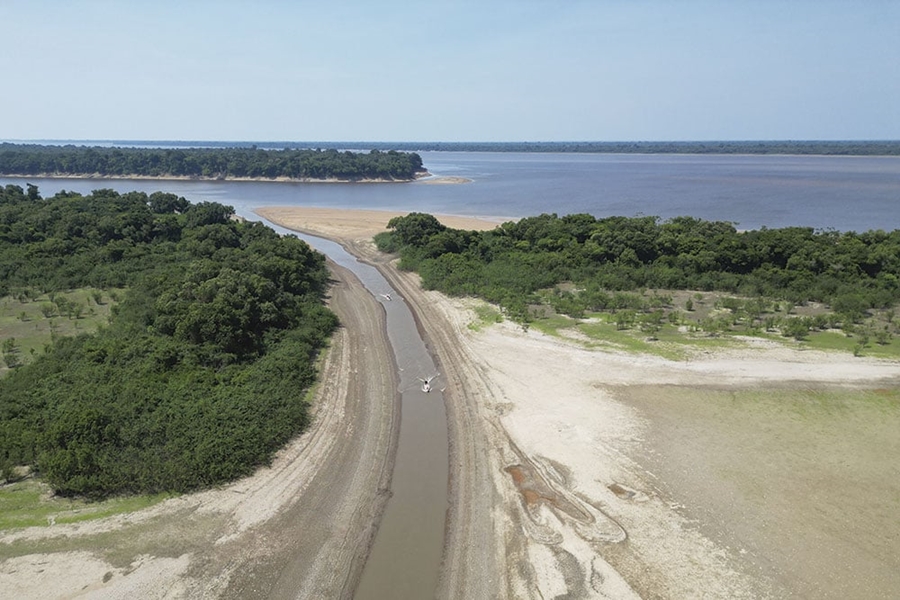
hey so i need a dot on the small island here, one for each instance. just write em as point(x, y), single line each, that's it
point(237, 163)
point(155, 345)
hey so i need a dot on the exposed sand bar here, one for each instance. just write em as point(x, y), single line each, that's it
point(353, 226)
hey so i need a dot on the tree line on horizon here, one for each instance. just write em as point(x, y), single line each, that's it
point(223, 163)
point(851, 272)
point(801, 147)
point(755, 147)
point(201, 373)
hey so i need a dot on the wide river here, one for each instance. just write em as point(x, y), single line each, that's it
point(847, 193)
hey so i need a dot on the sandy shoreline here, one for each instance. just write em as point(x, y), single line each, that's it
point(350, 226)
point(422, 178)
point(744, 474)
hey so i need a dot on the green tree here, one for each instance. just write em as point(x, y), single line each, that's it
point(33, 193)
point(850, 304)
point(162, 203)
point(796, 328)
point(208, 213)
point(415, 229)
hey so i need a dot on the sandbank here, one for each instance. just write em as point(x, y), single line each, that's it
point(444, 179)
point(343, 224)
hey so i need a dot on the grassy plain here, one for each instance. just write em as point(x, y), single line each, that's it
point(670, 331)
point(30, 502)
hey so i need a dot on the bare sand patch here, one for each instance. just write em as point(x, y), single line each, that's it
point(344, 225)
point(444, 180)
point(798, 481)
point(769, 474)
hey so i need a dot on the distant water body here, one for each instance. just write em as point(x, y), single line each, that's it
point(846, 193)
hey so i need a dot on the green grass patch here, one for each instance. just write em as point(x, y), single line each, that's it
point(601, 330)
point(857, 344)
point(831, 340)
point(553, 325)
point(626, 333)
point(30, 503)
point(668, 343)
point(486, 314)
point(29, 325)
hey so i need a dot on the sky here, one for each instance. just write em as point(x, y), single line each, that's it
point(487, 70)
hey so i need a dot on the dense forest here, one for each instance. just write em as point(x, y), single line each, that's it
point(851, 272)
point(222, 163)
point(201, 373)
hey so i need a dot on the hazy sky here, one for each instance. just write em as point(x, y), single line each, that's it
point(486, 70)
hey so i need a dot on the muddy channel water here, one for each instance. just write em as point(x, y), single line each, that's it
point(406, 555)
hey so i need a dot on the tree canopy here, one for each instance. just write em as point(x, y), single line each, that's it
point(201, 373)
point(223, 163)
point(850, 271)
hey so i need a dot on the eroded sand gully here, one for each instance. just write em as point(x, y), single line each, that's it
point(573, 473)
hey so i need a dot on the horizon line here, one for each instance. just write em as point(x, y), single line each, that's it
point(472, 142)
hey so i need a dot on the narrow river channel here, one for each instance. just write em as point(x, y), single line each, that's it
point(406, 555)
